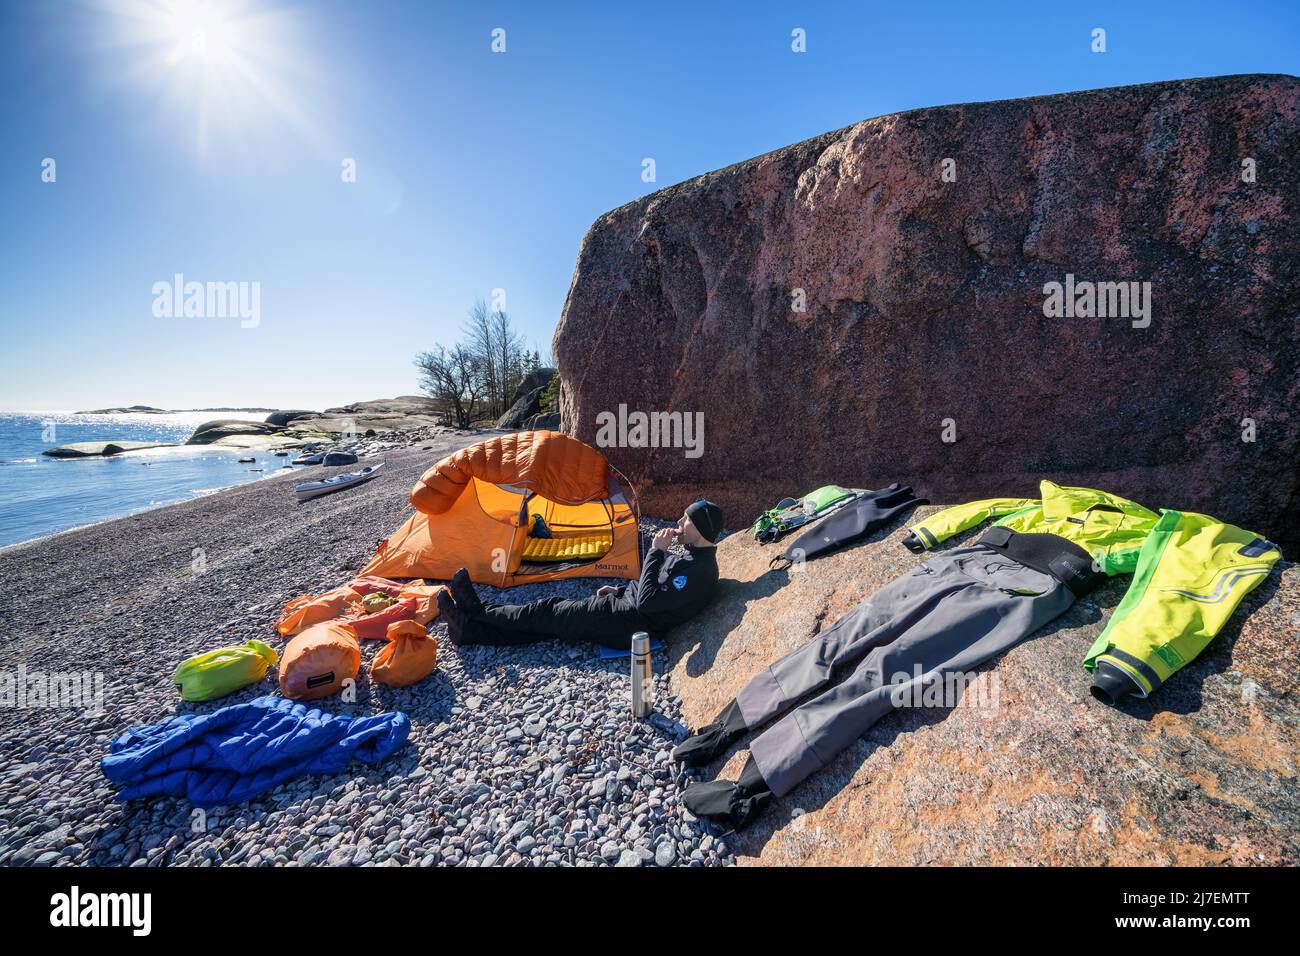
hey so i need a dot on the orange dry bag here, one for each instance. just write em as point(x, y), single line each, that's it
point(319, 660)
point(409, 656)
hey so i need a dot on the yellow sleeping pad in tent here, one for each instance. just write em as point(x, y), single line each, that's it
point(578, 547)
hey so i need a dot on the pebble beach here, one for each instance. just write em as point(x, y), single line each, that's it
point(523, 756)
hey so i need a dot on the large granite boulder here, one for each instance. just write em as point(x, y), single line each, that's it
point(223, 428)
point(523, 409)
point(527, 403)
point(1035, 771)
point(924, 351)
point(543, 422)
point(538, 378)
point(285, 416)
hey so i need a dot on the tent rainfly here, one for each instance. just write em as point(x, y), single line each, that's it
point(516, 509)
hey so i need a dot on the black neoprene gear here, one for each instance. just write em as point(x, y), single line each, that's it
point(851, 523)
point(913, 543)
point(712, 740)
point(453, 617)
point(1110, 684)
point(462, 589)
point(736, 804)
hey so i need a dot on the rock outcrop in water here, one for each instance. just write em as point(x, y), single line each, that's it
point(873, 305)
point(98, 449)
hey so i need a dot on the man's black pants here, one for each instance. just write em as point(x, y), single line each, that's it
point(600, 619)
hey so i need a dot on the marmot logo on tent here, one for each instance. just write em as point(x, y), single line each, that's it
point(651, 430)
point(74, 909)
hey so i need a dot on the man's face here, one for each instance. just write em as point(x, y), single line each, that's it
point(687, 531)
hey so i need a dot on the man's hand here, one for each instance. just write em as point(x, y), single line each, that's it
point(663, 538)
point(605, 589)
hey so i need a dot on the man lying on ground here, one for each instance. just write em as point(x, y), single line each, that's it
point(671, 591)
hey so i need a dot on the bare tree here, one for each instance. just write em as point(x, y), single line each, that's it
point(510, 357)
point(480, 340)
point(478, 377)
point(454, 378)
point(499, 351)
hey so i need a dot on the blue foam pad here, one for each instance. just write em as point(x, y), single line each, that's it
point(610, 653)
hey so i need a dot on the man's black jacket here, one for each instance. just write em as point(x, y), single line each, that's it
point(673, 589)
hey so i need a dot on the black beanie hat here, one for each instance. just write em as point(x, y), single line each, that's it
point(707, 518)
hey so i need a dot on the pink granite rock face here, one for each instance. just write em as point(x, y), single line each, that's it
point(1027, 769)
point(924, 307)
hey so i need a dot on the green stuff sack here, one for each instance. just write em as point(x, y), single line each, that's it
point(221, 672)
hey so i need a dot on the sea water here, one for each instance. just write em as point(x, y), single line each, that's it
point(41, 495)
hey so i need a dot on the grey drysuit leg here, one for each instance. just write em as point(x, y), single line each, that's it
point(950, 614)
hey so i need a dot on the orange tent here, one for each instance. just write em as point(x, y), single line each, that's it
point(516, 509)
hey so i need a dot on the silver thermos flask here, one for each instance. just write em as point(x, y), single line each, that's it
point(643, 676)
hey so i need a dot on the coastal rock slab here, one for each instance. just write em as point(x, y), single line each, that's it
point(92, 449)
point(869, 306)
point(285, 416)
point(224, 428)
point(1029, 769)
point(361, 418)
point(401, 405)
point(260, 442)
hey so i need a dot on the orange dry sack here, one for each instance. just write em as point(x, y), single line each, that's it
point(409, 656)
point(308, 609)
point(319, 660)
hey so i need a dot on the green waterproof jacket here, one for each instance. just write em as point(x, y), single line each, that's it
point(1190, 571)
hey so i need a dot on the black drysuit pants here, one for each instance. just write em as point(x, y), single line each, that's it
point(605, 620)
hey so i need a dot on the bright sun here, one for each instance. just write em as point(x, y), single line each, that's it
point(202, 30)
point(235, 70)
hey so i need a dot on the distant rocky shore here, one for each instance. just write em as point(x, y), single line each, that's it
point(361, 427)
point(150, 410)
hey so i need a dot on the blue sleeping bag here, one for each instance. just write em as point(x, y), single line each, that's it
point(237, 752)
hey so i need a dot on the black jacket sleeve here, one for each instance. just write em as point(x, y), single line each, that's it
point(649, 586)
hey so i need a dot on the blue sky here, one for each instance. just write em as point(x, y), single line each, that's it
point(208, 139)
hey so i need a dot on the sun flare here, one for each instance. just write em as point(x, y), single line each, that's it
point(203, 31)
point(233, 70)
